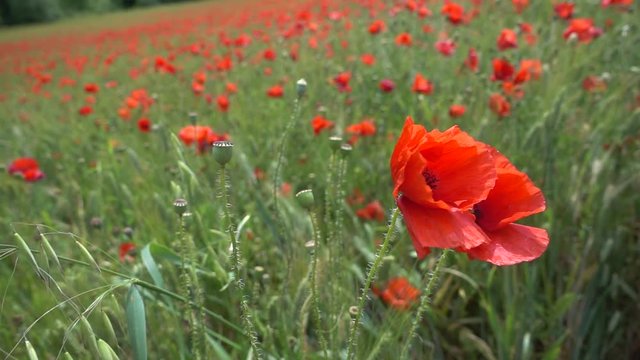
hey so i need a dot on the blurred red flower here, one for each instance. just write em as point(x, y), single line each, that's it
point(398, 293)
point(456, 110)
point(499, 105)
point(202, 136)
point(368, 59)
point(520, 5)
point(404, 39)
point(387, 85)
point(507, 40)
point(91, 88)
point(472, 61)
point(223, 103)
point(126, 252)
point(582, 29)
point(594, 83)
point(319, 123)
point(376, 27)
point(422, 85)
point(144, 125)
point(454, 12)
point(26, 167)
point(85, 110)
point(342, 81)
point(502, 70)
point(275, 91)
point(372, 211)
point(445, 46)
point(564, 10)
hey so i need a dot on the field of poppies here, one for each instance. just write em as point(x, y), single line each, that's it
point(361, 179)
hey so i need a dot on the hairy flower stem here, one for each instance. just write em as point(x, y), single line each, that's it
point(371, 275)
point(236, 265)
point(425, 302)
point(314, 283)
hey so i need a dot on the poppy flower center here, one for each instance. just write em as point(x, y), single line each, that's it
point(430, 179)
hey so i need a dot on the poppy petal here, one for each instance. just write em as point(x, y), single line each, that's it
point(511, 245)
point(432, 227)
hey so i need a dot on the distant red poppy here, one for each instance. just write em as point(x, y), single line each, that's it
point(269, 55)
point(232, 88)
point(85, 110)
point(91, 88)
point(285, 189)
point(363, 128)
point(368, 59)
point(507, 40)
point(582, 29)
point(472, 61)
point(564, 10)
point(456, 110)
point(520, 5)
point(387, 85)
point(376, 27)
point(372, 211)
point(144, 125)
point(126, 252)
point(275, 91)
point(445, 46)
point(404, 39)
point(319, 124)
point(502, 70)
point(454, 12)
point(594, 83)
point(499, 105)
point(398, 293)
point(202, 136)
point(622, 3)
point(342, 81)
point(422, 85)
point(223, 103)
point(26, 167)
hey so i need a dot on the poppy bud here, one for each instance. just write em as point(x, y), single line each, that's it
point(180, 206)
point(222, 151)
point(346, 149)
point(336, 142)
point(193, 117)
point(301, 87)
point(305, 199)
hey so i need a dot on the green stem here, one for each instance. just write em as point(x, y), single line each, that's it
point(236, 264)
point(373, 271)
point(281, 150)
point(314, 290)
point(425, 302)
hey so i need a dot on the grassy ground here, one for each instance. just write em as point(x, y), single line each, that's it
point(107, 183)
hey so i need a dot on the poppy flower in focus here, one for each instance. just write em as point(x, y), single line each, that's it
point(376, 27)
point(499, 105)
point(127, 252)
point(399, 293)
point(319, 123)
point(422, 85)
point(456, 110)
point(404, 39)
point(387, 85)
point(275, 91)
point(507, 40)
point(460, 193)
point(144, 125)
point(454, 12)
point(27, 168)
point(372, 211)
point(582, 29)
point(564, 10)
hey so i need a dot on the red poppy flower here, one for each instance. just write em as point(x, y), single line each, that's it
point(363, 128)
point(144, 125)
point(507, 40)
point(202, 136)
point(232, 88)
point(594, 84)
point(26, 167)
point(387, 85)
point(368, 59)
point(319, 123)
point(275, 91)
point(85, 110)
point(502, 70)
point(472, 61)
point(356, 197)
point(520, 5)
point(531, 66)
point(285, 189)
point(499, 105)
point(269, 55)
point(404, 39)
point(456, 110)
point(376, 27)
point(583, 29)
point(91, 88)
point(564, 10)
point(223, 103)
point(606, 3)
point(422, 85)
point(434, 170)
point(445, 47)
point(342, 81)
point(372, 211)
point(454, 12)
point(399, 293)
point(126, 252)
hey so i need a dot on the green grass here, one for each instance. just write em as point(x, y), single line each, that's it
point(578, 301)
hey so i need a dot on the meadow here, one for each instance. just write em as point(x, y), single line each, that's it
point(323, 180)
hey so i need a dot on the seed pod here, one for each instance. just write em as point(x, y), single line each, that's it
point(305, 199)
point(222, 151)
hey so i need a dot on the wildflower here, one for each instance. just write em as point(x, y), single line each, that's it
point(319, 124)
point(269, 55)
point(422, 85)
point(368, 59)
point(342, 81)
point(26, 167)
point(399, 293)
point(472, 61)
point(583, 29)
point(223, 103)
point(520, 5)
point(456, 110)
point(85, 110)
point(502, 70)
point(376, 27)
point(404, 39)
point(91, 88)
point(387, 85)
point(275, 91)
point(144, 125)
point(372, 211)
point(454, 12)
point(594, 83)
point(499, 105)
point(445, 47)
point(126, 252)
point(361, 129)
point(564, 10)
point(507, 40)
